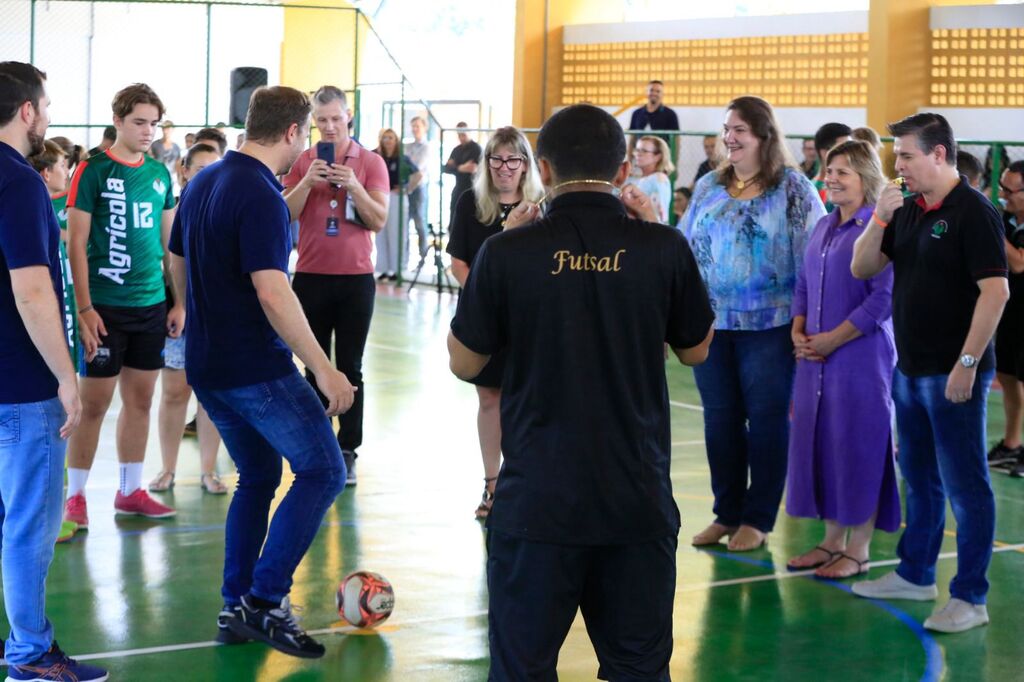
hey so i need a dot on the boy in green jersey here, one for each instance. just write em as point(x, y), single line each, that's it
point(120, 208)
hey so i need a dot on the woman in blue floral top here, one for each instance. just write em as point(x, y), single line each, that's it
point(748, 223)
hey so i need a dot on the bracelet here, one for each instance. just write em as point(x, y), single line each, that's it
point(874, 216)
point(84, 310)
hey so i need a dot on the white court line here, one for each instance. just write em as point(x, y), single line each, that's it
point(170, 648)
point(800, 574)
point(689, 442)
point(393, 349)
point(686, 406)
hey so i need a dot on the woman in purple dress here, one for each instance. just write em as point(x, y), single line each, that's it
point(841, 464)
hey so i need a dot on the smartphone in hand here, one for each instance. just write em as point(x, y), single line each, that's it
point(325, 152)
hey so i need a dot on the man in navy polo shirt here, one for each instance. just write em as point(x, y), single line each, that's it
point(946, 246)
point(39, 403)
point(654, 115)
point(583, 302)
point(231, 241)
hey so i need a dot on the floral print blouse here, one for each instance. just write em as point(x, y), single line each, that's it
point(749, 251)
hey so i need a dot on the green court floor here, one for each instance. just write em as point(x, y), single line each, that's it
point(141, 597)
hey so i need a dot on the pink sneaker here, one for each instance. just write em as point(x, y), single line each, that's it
point(76, 512)
point(139, 503)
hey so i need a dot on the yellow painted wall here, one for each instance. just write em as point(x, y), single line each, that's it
point(320, 45)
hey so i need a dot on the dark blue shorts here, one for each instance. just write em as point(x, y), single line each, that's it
point(625, 593)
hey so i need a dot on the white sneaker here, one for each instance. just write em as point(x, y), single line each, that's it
point(956, 616)
point(893, 586)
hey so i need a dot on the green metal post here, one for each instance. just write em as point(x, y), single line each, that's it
point(997, 171)
point(209, 31)
point(403, 223)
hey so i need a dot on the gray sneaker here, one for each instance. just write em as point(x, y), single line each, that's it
point(894, 586)
point(956, 616)
point(350, 467)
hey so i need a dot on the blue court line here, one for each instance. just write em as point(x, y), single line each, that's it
point(933, 654)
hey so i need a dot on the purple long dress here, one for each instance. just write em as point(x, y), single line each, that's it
point(841, 463)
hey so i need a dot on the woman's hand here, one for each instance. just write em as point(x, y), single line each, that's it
point(823, 344)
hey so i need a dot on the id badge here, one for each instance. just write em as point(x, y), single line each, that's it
point(332, 226)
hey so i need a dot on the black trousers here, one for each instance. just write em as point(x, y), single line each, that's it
point(625, 593)
point(340, 306)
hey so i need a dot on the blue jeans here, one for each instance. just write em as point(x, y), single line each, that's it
point(31, 497)
point(942, 453)
point(745, 386)
point(418, 214)
point(260, 424)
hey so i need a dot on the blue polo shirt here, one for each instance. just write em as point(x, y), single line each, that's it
point(232, 221)
point(29, 235)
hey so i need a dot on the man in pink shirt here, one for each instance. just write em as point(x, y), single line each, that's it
point(339, 207)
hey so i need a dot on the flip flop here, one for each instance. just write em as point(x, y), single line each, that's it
point(831, 557)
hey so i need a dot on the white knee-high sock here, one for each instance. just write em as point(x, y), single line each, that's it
point(76, 481)
point(131, 477)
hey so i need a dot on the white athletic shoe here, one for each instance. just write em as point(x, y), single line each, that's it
point(956, 616)
point(893, 586)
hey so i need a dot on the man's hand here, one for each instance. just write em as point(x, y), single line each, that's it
point(91, 326)
point(343, 176)
point(317, 174)
point(890, 200)
point(336, 388)
point(67, 392)
point(176, 320)
point(638, 204)
point(960, 384)
point(523, 214)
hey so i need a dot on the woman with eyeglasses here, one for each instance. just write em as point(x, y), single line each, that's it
point(508, 178)
point(652, 158)
point(404, 177)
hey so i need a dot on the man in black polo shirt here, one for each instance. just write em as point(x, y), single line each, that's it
point(946, 246)
point(462, 163)
point(583, 302)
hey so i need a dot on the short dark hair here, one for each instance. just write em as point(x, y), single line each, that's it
point(136, 93)
point(212, 135)
point(326, 94)
point(582, 142)
point(19, 83)
point(931, 130)
point(685, 191)
point(110, 133)
point(967, 164)
point(655, 82)
point(201, 148)
point(1016, 167)
point(826, 136)
point(272, 111)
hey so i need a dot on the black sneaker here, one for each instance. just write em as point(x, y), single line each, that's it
point(191, 430)
point(276, 627)
point(1018, 468)
point(350, 467)
point(1001, 455)
point(224, 633)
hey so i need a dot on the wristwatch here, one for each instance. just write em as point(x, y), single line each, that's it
point(968, 361)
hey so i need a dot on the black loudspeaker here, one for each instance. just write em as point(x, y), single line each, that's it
point(244, 80)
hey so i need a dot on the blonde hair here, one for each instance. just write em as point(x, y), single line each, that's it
point(487, 208)
point(864, 161)
point(380, 143)
point(665, 164)
point(866, 134)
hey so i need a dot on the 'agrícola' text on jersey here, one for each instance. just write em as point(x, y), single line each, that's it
point(125, 249)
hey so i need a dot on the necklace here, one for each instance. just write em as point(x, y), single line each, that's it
point(741, 184)
point(505, 210)
point(550, 192)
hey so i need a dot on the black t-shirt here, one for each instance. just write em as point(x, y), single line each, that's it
point(703, 169)
point(399, 169)
point(1013, 314)
point(469, 151)
point(583, 300)
point(938, 257)
point(467, 233)
point(661, 118)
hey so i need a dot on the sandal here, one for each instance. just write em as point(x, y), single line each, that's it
point(483, 510)
point(163, 482)
point(862, 567)
point(212, 484)
point(831, 557)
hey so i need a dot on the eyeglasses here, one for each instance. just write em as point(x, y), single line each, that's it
point(512, 162)
point(1008, 190)
point(640, 150)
